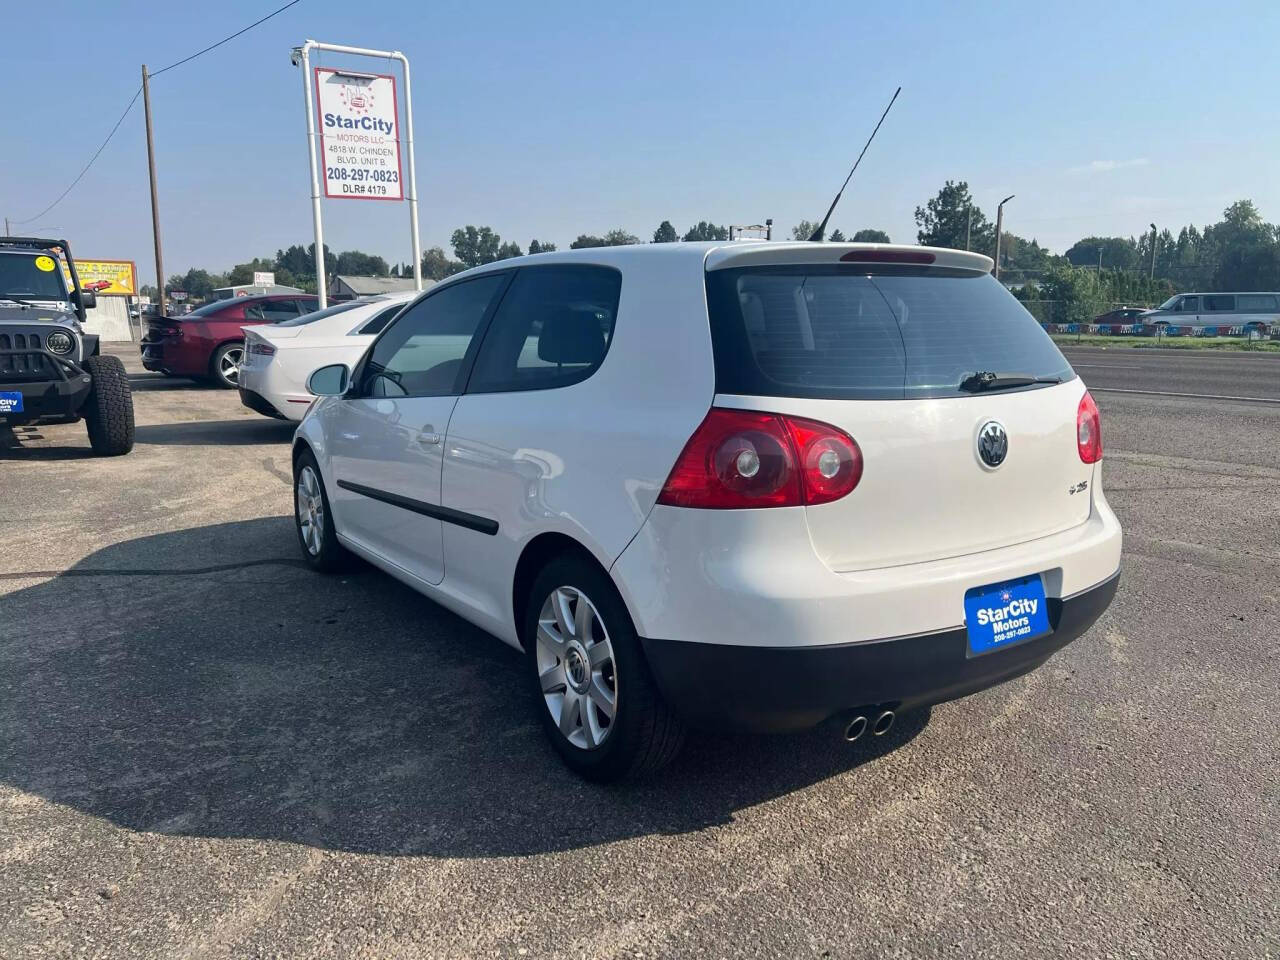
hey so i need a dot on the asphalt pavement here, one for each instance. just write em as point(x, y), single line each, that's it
point(207, 750)
point(1197, 373)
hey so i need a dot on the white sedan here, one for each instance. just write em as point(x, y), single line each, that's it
point(279, 357)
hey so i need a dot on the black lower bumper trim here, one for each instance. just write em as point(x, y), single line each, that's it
point(724, 686)
point(260, 404)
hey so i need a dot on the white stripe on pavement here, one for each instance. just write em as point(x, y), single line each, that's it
point(1191, 396)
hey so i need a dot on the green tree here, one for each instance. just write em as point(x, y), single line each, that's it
point(943, 220)
point(587, 240)
point(665, 233)
point(541, 246)
point(803, 230)
point(508, 250)
point(475, 245)
point(705, 230)
point(837, 237)
point(620, 238)
point(242, 273)
point(357, 264)
point(436, 265)
point(871, 236)
point(1117, 252)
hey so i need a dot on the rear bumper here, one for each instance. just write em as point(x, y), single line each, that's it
point(753, 688)
point(260, 404)
point(182, 357)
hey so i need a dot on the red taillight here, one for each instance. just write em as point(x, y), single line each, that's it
point(1088, 430)
point(741, 458)
point(262, 349)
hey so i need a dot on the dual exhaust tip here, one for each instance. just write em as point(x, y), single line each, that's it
point(878, 721)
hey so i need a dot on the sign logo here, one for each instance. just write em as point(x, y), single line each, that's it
point(993, 443)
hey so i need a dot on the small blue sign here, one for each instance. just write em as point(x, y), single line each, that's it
point(1003, 614)
point(10, 402)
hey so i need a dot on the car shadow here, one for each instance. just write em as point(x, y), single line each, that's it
point(206, 683)
point(206, 433)
point(154, 382)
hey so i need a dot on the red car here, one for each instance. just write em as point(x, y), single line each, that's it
point(208, 343)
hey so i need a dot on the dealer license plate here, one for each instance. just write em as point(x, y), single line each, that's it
point(1002, 614)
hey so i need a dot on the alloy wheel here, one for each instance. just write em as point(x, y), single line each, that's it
point(310, 510)
point(576, 667)
point(229, 365)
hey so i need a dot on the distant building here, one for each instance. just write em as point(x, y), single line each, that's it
point(349, 288)
point(252, 290)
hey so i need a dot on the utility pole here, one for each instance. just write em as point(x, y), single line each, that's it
point(6, 227)
point(1153, 251)
point(1099, 261)
point(155, 207)
point(999, 229)
point(968, 230)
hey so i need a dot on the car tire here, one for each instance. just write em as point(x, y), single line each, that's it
point(586, 662)
point(224, 368)
point(108, 410)
point(313, 519)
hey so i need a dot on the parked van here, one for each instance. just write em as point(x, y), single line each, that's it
point(1211, 314)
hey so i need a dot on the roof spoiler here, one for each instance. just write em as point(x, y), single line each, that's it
point(851, 253)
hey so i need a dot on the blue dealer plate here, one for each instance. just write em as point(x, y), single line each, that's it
point(10, 402)
point(1003, 614)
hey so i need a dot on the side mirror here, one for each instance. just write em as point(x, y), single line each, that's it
point(86, 298)
point(331, 381)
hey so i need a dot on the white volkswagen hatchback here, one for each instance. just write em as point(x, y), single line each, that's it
point(748, 485)
point(279, 357)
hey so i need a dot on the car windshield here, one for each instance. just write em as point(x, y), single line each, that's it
point(31, 277)
point(315, 315)
point(1168, 304)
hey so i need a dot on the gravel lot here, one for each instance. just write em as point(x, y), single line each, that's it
point(208, 751)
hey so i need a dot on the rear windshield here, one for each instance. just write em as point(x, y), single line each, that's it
point(842, 332)
point(315, 315)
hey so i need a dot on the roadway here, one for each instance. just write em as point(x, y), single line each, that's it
point(1200, 374)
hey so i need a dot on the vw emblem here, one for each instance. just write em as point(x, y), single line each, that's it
point(993, 443)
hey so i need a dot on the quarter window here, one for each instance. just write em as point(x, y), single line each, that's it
point(552, 329)
point(422, 354)
point(1258, 302)
point(271, 311)
point(379, 320)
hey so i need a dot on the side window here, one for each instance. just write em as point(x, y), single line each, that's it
point(1220, 303)
point(1189, 305)
point(1258, 302)
point(380, 320)
point(307, 305)
point(422, 353)
point(552, 329)
point(271, 311)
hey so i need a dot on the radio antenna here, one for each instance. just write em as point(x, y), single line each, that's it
point(822, 227)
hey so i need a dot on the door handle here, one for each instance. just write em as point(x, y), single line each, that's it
point(428, 438)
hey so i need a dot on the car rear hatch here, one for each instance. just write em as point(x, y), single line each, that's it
point(878, 341)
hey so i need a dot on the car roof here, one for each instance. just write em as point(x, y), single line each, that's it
point(719, 254)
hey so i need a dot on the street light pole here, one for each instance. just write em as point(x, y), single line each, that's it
point(1153, 251)
point(155, 207)
point(968, 230)
point(999, 229)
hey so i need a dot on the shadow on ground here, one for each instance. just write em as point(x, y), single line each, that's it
point(212, 433)
point(167, 686)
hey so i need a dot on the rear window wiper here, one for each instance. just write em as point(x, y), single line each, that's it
point(986, 380)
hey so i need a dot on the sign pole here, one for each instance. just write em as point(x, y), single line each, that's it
point(379, 187)
point(317, 219)
point(155, 205)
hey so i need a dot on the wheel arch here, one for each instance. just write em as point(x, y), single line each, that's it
point(536, 554)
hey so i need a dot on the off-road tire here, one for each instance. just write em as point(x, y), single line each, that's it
point(108, 410)
point(645, 735)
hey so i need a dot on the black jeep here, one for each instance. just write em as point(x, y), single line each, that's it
point(50, 369)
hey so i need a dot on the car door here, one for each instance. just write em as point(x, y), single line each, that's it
point(387, 436)
point(1218, 311)
point(520, 422)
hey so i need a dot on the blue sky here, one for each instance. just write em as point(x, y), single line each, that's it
point(549, 120)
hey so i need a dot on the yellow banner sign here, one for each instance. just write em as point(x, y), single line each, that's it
point(109, 278)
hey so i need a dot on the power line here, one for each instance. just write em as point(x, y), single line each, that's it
point(226, 39)
point(138, 93)
point(80, 176)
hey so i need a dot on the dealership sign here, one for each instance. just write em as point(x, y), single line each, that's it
point(359, 135)
point(107, 278)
